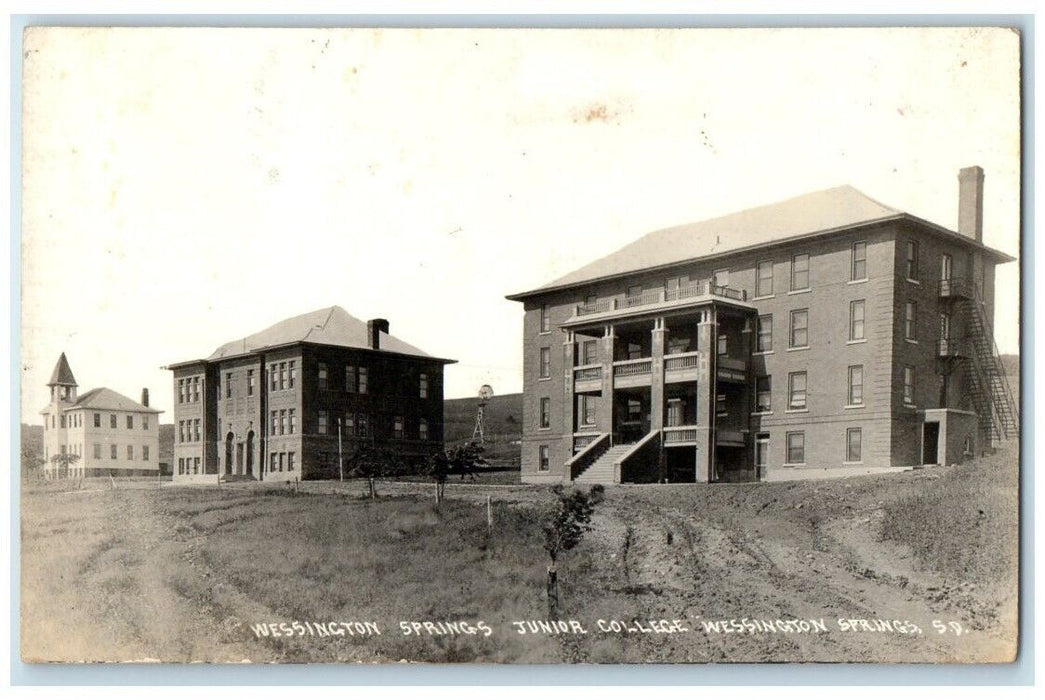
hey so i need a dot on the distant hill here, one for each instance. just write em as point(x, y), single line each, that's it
point(1011, 363)
point(503, 418)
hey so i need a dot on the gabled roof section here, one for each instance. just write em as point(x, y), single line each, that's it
point(822, 212)
point(62, 374)
point(109, 400)
point(329, 326)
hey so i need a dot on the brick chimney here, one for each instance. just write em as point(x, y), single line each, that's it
point(970, 202)
point(374, 328)
point(145, 397)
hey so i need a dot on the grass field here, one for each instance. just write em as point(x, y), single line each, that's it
point(162, 572)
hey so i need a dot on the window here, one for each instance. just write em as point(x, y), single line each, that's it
point(796, 448)
point(130, 422)
point(589, 352)
point(145, 422)
point(720, 405)
point(250, 382)
point(112, 451)
point(587, 410)
point(671, 288)
point(195, 389)
point(908, 385)
point(196, 466)
point(228, 385)
point(273, 461)
point(181, 465)
point(800, 328)
point(856, 320)
point(859, 267)
point(723, 344)
point(321, 423)
point(546, 320)
point(181, 391)
point(764, 279)
point(290, 461)
point(362, 425)
point(946, 267)
point(293, 375)
point(397, 428)
point(283, 421)
point(546, 413)
point(364, 379)
point(61, 421)
point(130, 452)
point(543, 458)
point(763, 394)
point(910, 317)
point(97, 451)
point(274, 377)
point(854, 438)
point(634, 291)
point(292, 421)
point(145, 453)
point(97, 420)
point(197, 429)
point(720, 278)
point(112, 420)
point(546, 363)
point(422, 429)
point(634, 350)
point(945, 326)
point(423, 386)
point(856, 385)
point(796, 390)
point(322, 373)
point(911, 261)
point(764, 340)
point(634, 410)
point(181, 431)
point(350, 379)
point(283, 375)
point(800, 272)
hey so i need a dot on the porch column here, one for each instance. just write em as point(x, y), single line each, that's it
point(656, 392)
point(705, 396)
point(569, 400)
point(604, 419)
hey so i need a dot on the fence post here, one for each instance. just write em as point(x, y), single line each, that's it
point(489, 514)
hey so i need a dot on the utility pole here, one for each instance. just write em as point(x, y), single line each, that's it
point(340, 462)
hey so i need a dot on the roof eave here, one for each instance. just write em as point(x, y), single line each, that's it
point(900, 216)
point(280, 346)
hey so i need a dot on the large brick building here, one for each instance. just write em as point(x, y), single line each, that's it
point(109, 434)
point(828, 333)
point(284, 403)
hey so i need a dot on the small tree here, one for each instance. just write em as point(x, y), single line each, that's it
point(63, 461)
point(31, 463)
point(564, 529)
point(373, 463)
point(460, 460)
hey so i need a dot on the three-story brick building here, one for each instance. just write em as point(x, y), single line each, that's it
point(828, 333)
point(290, 401)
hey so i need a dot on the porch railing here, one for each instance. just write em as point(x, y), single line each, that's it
point(632, 368)
point(654, 297)
point(685, 360)
point(680, 433)
point(588, 455)
point(587, 373)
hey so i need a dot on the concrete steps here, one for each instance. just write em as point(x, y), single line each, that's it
point(601, 471)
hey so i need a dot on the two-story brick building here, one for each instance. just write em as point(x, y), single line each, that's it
point(287, 402)
point(110, 434)
point(826, 332)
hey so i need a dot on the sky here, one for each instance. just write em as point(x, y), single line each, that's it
point(186, 187)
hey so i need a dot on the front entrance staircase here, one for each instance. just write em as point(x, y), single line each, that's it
point(602, 470)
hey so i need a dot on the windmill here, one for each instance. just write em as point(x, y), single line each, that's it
point(485, 394)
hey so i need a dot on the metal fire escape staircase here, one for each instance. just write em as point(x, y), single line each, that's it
point(988, 384)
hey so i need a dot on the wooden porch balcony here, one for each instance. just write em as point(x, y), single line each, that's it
point(656, 300)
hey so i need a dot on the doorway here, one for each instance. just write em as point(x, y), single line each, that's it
point(930, 443)
point(228, 454)
point(250, 453)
